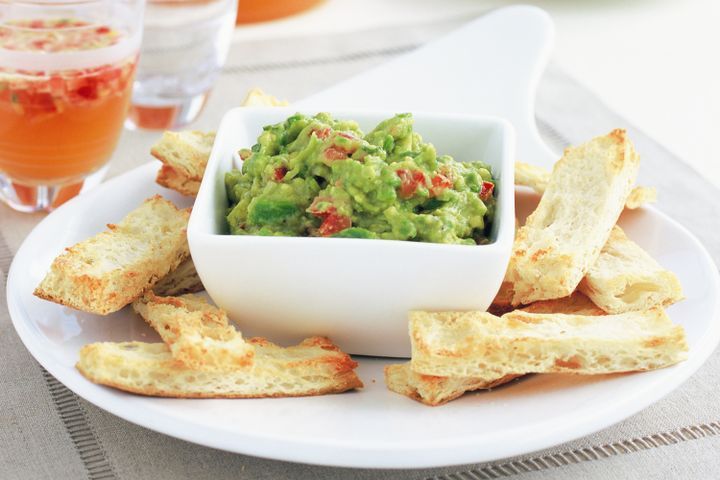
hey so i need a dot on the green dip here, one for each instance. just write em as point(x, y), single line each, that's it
point(317, 176)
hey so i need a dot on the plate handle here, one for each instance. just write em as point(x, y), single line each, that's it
point(490, 66)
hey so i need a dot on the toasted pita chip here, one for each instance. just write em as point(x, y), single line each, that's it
point(187, 152)
point(532, 176)
point(478, 344)
point(625, 278)
point(199, 335)
point(432, 390)
point(314, 367)
point(257, 98)
point(563, 237)
point(108, 271)
point(640, 196)
point(170, 178)
point(537, 178)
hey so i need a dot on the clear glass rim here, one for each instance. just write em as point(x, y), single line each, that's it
point(46, 9)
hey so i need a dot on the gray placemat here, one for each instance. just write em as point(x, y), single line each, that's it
point(48, 432)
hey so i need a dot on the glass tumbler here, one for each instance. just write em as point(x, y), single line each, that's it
point(185, 45)
point(66, 72)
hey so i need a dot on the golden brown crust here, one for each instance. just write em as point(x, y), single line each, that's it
point(104, 273)
point(255, 97)
point(199, 335)
point(537, 178)
point(184, 156)
point(478, 344)
point(562, 238)
point(626, 278)
point(619, 135)
point(149, 369)
point(435, 390)
point(640, 196)
point(186, 151)
point(170, 178)
point(346, 382)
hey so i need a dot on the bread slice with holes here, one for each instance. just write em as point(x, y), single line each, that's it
point(478, 344)
point(563, 237)
point(314, 367)
point(432, 390)
point(108, 271)
point(187, 152)
point(537, 178)
point(625, 278)
point(199, 334)
point(184, 279)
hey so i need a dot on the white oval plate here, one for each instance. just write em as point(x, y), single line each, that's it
point(372, 427)
point(495, 64)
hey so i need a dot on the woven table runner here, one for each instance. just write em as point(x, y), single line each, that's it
point(47, 432)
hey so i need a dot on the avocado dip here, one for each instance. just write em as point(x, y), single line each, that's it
point(317, 176)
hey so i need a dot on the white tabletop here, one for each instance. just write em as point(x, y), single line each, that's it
point(653, 62)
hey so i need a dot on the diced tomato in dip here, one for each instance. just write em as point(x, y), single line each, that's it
point(386, 184)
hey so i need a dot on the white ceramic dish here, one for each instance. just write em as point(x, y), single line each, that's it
point(373, 427)
point(357, 292)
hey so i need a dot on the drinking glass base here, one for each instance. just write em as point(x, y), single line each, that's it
point(164, 117)
point(44, 198)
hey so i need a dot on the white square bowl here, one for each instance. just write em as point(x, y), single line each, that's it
point(355, 291)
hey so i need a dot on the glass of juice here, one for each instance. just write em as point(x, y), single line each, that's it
point(66, 77)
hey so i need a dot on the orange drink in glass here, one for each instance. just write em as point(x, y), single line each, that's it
point(66, 75)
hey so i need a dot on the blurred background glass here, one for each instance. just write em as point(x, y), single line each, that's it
point(251, 11)
point(184, 47)
point(66, 73)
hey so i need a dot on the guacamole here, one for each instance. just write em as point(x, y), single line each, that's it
point(318, 176)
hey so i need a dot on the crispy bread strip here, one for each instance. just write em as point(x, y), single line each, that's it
point(257, 98)
point(187, 152)
point(537, 178)
point(564, 236)
point(532, 176)
point(575, 304)
point(639, 196)
point(314, 367)
point(168, 177)
point(199, 335)
point(625, 278)
point(478, 344)
point(106, 272)
point(184, 279)
point(432, 390)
